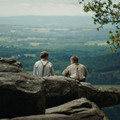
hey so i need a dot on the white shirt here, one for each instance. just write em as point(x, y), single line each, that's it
point(38, 68)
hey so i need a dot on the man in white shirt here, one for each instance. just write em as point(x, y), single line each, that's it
point(43, 67)
point(75, 70)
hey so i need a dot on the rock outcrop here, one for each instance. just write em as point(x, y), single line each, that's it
point(61, 89)
point(102, 97)
point(22, 94)
point(79, 109)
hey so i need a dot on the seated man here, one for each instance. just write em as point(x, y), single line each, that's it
point(43, 67)
point(75, 70)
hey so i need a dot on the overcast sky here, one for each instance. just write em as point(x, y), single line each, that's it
point(40, 7)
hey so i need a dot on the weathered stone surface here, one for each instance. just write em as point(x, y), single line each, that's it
point(10, 65)
point(61, 89)
point(55, 117)
point(102, 97)
point(79, 109)
point(20, 93)
point(42, 117)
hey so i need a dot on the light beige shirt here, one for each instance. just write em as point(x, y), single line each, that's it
point(38, 68)
point(76, 71)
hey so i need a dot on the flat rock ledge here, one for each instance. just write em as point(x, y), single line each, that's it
point(61, 89)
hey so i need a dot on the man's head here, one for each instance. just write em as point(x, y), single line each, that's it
point(44, 55)
point(74, 59)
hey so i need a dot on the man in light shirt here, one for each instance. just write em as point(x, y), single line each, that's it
point(75, 70)
point(43, 67)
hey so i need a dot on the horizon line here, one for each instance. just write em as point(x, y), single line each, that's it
point(48, 16)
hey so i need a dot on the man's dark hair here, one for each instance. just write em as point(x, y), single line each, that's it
point(75, 59)
point(44, 54)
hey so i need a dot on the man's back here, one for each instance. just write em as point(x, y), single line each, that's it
point(76, 71)
point(43, 68)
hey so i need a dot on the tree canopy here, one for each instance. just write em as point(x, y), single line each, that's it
point(106, 12)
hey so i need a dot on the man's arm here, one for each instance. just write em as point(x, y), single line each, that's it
point(35, 70)
point(65, 72)
point(86, 72)
point(52, 71)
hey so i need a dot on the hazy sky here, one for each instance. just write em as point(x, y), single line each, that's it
point(40, 7)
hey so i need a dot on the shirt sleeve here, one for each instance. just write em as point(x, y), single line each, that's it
point(86, 72)
point(52, 70)
point(65, 72)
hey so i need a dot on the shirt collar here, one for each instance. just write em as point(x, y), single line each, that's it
point(44, 60)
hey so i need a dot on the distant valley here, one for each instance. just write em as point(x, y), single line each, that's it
point(38, 31)
point(24, 37)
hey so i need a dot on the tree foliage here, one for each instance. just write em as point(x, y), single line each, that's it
point(106, 12)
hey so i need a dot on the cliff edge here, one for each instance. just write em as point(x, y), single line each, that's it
point(24, 96)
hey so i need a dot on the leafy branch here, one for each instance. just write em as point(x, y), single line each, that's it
point(105, 12)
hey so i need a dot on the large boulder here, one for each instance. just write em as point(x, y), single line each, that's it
point(20, 93)
point(82, 109)
point(57, 117)
point(79, 109)
point(42, 117)
point(61, 89)
point(103, 97)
